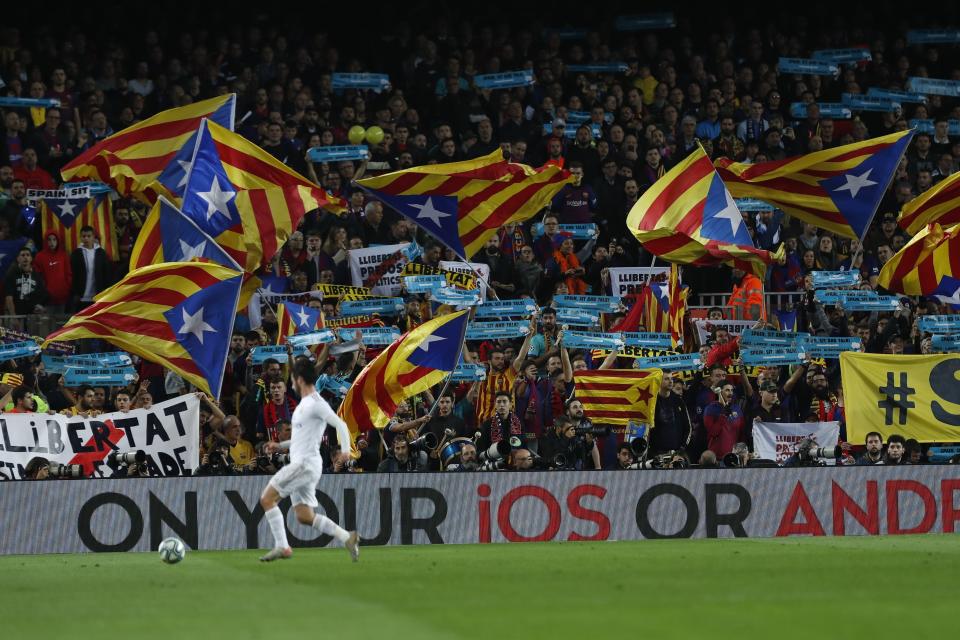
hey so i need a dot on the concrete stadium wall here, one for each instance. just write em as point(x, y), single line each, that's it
point(437, 508)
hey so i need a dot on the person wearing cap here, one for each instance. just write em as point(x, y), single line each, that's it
point(765, 407)
point(885, 234)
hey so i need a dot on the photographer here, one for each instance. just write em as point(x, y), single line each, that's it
point(216, 461)
point(874, 452)
point(585, 429)
point(624, 459)
point(520, 460)
point(37, 469)
point(468, 459)
point(562, 448)
point(403, 460)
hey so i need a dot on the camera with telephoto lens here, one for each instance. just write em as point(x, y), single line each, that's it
point(810, 453)
point(493, 465)
point(495, 452)
point(128, 463)
point(669, 460)
point(595, 430)
point(57, 470)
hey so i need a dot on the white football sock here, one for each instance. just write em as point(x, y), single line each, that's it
point(329, 527)
point(275, 520)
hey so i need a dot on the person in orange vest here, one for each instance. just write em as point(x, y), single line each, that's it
point(746, 301)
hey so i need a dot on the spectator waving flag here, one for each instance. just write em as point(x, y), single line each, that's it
point(170, 236)
point(464, 203)
point(689, 217)
point(940, 203)
point(176, 314)
point(142, 160)
point(295, 318)
point(835, 189)
point(67, 216)
point(415, 362)
point(244, 198)
point(618, 396)
point(919, 269)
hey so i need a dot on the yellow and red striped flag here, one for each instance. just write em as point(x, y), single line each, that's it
point(655, 298)
point(141, 159)
point(177, 314)
point(67, 216)
point(835, 189)
point(464, 203)
point(678, 305)
point(924, 263)
point(940, 204)
point(689, 217)
point(618, 396)
point(415, 362)
point(242, 197)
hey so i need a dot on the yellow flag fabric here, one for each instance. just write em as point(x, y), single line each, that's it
point(914, 396)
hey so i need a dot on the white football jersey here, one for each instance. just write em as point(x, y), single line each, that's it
point(309, 422)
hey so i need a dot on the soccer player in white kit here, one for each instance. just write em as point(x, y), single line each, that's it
point(299, 478)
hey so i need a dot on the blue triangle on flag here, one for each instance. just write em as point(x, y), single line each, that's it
point(722, 220)
point(174, 176)
point(302, 317)
point(440, 349)
point(210, 198)
point(183, 240)
point(437, 215)
point(857, 191)
point(67, 210)
point(948, 292)
point(661, 291)
point(203, 324)
point(271, 284)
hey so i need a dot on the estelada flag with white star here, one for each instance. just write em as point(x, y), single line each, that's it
point(177, 314)
point(619, 396)
point(244, 198)
point(168, 235)
point(688, 217)
point(141, 160)
point(67, 216)
point(835, 189)
point(295, 318)
point(464, 203)
point(926, 265)
point(416, 361)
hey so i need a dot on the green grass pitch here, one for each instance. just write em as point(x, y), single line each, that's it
point(862, 587)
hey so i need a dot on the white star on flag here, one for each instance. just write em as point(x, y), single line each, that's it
point(731, 213)
point(954, 299)
point(427, 210)
point(66, 209)
point(425, 345)
point(195, 324)
point(304, 317)
point(217, 199)
point(855, 183)
point(190, 252)
point(185, 167)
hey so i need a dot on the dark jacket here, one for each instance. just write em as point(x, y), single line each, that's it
point(78, 266)
point(671, 424)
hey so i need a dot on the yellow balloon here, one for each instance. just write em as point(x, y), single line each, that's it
point(355, 134)
point(374, 135)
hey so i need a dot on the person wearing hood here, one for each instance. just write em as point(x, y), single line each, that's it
point(53, 264)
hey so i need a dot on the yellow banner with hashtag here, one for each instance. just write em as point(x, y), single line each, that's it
point(914, 396)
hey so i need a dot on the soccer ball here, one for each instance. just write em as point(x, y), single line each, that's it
point(172, 550)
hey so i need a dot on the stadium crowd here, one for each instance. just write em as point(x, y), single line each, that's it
point(713, 85)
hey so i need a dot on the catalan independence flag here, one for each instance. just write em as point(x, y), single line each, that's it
point(296, 318)
point(835, 189)
point(415, 362)
point(940, 204)
point(174, 237)
point(655, 298)
point(464, 203)
point(618, 396)
point(677, 306)
point(179, 315)
point(67, 216)
point(244, 198)
point(140, 160)
point(689, 217)
point(920, 267)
